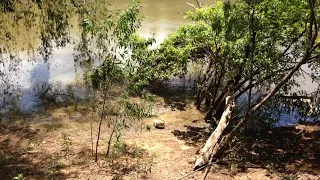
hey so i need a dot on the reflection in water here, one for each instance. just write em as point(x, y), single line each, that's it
point(175, 86)
point(39, 75)
point(161, 18)
point(305, 81)
point(32, 74)
point(62, 66)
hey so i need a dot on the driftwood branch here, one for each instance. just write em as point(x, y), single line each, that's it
point(190, 4)
point(199, 3)
point(206, 151)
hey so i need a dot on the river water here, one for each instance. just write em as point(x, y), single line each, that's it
point(162, 17)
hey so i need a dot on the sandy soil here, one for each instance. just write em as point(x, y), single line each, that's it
point(57, 145)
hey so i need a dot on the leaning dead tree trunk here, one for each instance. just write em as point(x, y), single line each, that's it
point(215, 149)
point(207, 149)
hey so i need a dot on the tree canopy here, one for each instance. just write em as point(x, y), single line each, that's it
point(246, 45)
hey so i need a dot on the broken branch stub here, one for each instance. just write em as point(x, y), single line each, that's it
point(206, 150)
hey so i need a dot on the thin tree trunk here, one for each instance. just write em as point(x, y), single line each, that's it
point(100, 123)
point(91, 122)
point(217, 104)
point(111, 136)
point(253, 43)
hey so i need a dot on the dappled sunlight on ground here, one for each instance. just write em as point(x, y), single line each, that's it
point(57, 145)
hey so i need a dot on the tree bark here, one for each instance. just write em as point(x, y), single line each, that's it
point(190, 4)
point(111, 136)
point(205, 152)
point(100, 123)
point(91, 122)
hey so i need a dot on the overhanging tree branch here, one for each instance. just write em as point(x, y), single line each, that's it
point(310, 41)
point(311, 38)
point(199, 3)
point(206, 151)
point(294, 41)
point(190, 4)
point(224, 141)
point(263, 79)
point(311, 59)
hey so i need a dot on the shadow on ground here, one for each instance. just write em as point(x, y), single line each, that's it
point(127, 161)
point(17, 157)
point(194, 136)
point(32, 152)
point(286, 149)
point(283, 150)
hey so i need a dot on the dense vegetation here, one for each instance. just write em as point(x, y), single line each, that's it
point(244, 46)
point(251, 48)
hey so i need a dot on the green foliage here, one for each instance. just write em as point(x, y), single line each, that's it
point(139, 65)
point(212, 32)
point(19, 177)
point(226, 40)
point(124, 54)
point(284, 176)
point(121, 148)
point(136, 110)
point(225, 29)
point(4, 161)
point(107, 36)
point(118, 148)
point(148, 96)
point(46, 20)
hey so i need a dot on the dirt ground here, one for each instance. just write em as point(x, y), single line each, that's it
point(57, 145)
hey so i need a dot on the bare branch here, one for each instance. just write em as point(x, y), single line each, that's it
point(294, 41)
point(190, 4)
point(296, 97)
point(311, 59)
point(263, 79)
point(206, 151)
point(200, 3)
point(315, 47)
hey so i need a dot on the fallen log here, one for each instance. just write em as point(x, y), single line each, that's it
point(206, 151)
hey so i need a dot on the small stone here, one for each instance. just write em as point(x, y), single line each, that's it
point(159, 124)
